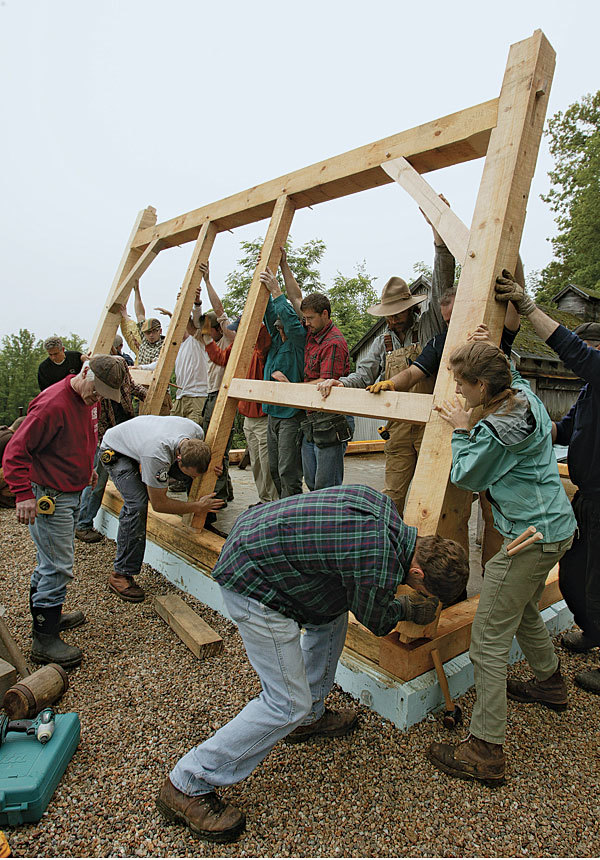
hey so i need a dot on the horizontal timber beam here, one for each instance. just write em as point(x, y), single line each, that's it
point(452, 139)
point(389, 405)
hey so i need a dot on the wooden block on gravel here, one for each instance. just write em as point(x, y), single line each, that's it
point(199, 636)
point(8, 677)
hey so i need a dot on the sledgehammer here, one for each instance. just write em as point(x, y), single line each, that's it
point(453, 713)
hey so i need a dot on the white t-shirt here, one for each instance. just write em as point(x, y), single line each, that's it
point(191, 371)
point(152, 440)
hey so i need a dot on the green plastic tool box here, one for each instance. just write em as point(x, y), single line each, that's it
point(30, 771)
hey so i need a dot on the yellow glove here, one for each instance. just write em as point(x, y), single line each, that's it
point(386, 385)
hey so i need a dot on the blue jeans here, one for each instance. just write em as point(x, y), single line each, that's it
point(324, 467)
point(296, 672)
point(53, 536)
point(131, 538)
point(92, 499)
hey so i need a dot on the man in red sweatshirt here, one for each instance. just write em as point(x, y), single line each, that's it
point(46, 465)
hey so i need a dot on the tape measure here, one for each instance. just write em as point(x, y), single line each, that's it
point(108, 456)
point(46, 505)
point(384, 432)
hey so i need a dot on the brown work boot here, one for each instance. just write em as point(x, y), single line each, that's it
point(88, 535)
point(552, 693)
point(126, 588)
point(470, 759)
point(206, 815)
point(333, 724)
point(589, 680)
point(577, 641)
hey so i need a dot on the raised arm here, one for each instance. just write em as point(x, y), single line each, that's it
point(140, 310)
point(294, 293)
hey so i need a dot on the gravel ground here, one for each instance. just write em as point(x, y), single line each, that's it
point(144, 700)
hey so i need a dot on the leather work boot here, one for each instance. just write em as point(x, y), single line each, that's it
point(88, 535)
point(206, 815)
point(470, 759)
point(126, 588)
point(577, 641)
point(589, 680)
point(47, 646)
point(333, 724)
point(552, 693)
point(68, 620)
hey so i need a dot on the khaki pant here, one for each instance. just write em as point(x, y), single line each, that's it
point(189, 407)
point(508, 606)
point(255, 431)
point(401, 452)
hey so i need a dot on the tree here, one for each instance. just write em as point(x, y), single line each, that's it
point(20, 356)
point(422, 268)
point(350, 297)
point(303, 262)
point(19, 359)
point(575, 197)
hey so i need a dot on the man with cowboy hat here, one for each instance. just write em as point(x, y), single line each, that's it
point(409, 328)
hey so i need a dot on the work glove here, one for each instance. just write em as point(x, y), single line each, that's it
point(386, 385)
point(418, 608)
point(507, 290)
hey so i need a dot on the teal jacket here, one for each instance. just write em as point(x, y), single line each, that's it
point(287, 357)
point(521, 478)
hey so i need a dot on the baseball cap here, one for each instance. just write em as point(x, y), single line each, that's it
point(109, 372)
point(588, 331)
point(150, 323)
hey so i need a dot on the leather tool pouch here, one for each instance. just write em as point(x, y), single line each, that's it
point(325, 429)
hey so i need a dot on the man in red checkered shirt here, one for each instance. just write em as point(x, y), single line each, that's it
point(326, 356)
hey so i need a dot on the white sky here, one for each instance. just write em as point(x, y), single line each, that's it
point(109, 107)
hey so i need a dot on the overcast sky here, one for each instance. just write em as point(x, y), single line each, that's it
point(109, 107)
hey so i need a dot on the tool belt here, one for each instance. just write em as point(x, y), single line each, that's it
point(108, 456)
point(325, 429)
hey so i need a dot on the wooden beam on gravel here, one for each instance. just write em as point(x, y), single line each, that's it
point(389, 405)
point(452, 139)
point(193, 630)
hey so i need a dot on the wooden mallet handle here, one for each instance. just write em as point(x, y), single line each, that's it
point(533, 539)
point(527, 533)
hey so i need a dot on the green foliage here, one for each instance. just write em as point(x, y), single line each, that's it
point(20, 355)
point(350, 297)
point(575, 198)
point(19, 359)
point(303, 262)
point(422, 268)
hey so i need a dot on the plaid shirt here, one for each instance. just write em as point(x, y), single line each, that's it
point(312, 557)
point(326, 354)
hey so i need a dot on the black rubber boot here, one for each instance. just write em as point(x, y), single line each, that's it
point(47, 646)
point(68, 620)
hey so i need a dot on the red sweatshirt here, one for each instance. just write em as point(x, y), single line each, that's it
point(55, 445)
point(249, 408)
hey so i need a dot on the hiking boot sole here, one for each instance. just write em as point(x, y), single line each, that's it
point(334, 733)
point(125, 597)
point(66, 664)
point(231, 835)
point(553, 706)
point(491, 782)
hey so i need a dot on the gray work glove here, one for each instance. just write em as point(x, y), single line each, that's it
point(418, 608)
point(507, 290)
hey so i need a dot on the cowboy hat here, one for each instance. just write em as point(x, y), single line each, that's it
point(395, 298)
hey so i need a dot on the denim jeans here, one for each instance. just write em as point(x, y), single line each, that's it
point(221, 487)
point(285, 456)
point(324, 467)
point(296, 672)
point(92, 499)
point(131, 538)
point(53, 536)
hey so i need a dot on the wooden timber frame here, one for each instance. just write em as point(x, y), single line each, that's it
point(506, 132)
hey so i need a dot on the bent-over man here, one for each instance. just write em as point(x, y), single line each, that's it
point(163, 446)
point(302, 563)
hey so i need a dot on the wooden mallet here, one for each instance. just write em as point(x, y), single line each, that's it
point(453, 713)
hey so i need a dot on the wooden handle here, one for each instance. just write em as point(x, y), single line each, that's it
point(533, 539)
point(15, 655)
point(439, 668)
point(528, 531)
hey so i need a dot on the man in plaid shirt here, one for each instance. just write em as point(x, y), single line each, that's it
point(304, 562)
point(326, 356)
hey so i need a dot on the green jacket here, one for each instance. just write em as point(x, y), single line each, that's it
point(287, 357)
point(521, 478)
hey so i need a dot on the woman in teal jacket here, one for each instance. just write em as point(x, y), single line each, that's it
point(508, 454)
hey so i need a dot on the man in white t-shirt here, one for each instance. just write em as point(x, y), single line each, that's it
point(162, 447)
